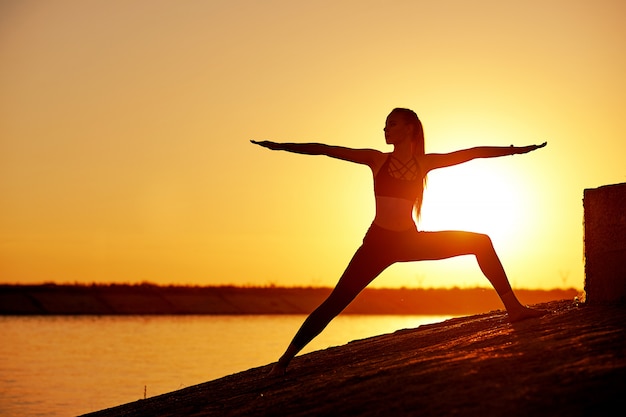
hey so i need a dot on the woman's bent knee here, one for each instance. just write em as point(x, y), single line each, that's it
point(484, 240)
point(479, 244)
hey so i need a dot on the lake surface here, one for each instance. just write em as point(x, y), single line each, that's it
point(70, 365)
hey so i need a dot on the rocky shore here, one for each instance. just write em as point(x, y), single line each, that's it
point(571, 362)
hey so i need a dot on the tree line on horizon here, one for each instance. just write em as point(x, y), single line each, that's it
point(147, 284)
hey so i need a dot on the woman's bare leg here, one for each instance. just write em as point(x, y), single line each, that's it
point(440, 245)
point(368, 263)
point(492, 268)
point(363, 268)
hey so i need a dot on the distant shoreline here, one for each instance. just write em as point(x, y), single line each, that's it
point(127, 299)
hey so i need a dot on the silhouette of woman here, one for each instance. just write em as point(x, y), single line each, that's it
point(399, 179)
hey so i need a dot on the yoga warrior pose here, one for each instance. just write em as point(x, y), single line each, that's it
point(399, 179)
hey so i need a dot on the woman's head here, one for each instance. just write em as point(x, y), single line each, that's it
point(415, 129)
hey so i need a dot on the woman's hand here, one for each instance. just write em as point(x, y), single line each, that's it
point(526, 149)
point(268, 144)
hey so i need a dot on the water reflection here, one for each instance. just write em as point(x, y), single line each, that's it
point(59, 366)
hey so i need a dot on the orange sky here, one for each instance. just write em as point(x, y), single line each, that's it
point(124, 129)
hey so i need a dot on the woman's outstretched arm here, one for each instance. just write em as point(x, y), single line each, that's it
point(360, 156)
point(434, 161)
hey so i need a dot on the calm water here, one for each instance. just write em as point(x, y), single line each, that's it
point(65, 366)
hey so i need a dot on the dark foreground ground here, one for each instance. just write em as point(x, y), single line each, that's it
point(571, 362)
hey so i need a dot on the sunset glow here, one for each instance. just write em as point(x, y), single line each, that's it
point(125, 128)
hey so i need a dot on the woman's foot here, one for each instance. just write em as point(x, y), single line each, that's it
point(277, 370)
point(280, 367)
point(525, 313)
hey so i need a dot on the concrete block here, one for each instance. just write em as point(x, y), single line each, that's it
point(605, 244)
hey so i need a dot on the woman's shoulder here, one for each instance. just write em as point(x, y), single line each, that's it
point(378, 160)
point(374, 156)
point(426, 161)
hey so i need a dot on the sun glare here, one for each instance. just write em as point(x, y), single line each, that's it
point(472, 198)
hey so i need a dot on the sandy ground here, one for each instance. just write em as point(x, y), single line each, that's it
point(571, 362)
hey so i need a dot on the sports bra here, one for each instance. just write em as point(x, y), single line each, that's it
point(399, 180)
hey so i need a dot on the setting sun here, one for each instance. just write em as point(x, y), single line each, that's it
point(474, 198)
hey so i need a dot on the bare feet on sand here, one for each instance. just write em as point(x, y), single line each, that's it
point(525, 313)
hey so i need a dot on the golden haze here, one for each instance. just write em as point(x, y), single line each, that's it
point(124, 129)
